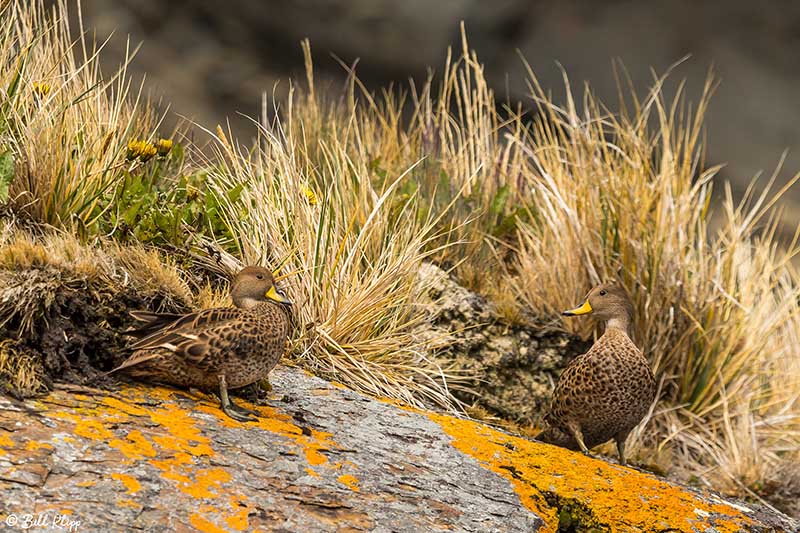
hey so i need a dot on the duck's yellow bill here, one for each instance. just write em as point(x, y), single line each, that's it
point(582, 310)
point(277, 296)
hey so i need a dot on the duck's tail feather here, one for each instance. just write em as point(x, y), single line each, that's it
point(152, 322)
point(135, 359)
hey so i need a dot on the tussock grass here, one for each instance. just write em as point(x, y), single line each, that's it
point(59, 260)
point(66, 125)
point(388, 191)
point(626, 196)
point(447, 137)
point(349, 196)
point(349, 256)
point(64, 304)
point(22, 373)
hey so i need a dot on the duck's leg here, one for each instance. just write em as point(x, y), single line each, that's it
point(620, 439)
point(577, 434)
point(231, 409)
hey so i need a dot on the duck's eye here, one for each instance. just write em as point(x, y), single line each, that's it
point(603, 292)
point(260, 276)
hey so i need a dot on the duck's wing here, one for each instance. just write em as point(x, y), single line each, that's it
point(188, 326)
point(135, 359)
point(153, 322)
point(189, 337)
point(160, 322)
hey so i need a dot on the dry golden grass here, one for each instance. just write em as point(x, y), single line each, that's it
point(350, 259)
point(388, 191)
point(67, 124)
point(34, 268)
point(626, 196)
point(22, 373)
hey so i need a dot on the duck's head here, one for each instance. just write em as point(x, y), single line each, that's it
point(607, 301)
point(253, 285)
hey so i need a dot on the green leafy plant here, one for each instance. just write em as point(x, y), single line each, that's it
point(6, 174)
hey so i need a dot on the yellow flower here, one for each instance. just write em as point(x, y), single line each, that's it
point(141, 149)
point(148, 151)
point(309, 194)
point(163, 146)
point(40, 90)
point(133, 149)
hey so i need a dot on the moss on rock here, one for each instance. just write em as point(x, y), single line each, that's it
point(514, 364)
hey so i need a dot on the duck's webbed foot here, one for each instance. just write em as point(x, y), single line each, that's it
point(238, 413)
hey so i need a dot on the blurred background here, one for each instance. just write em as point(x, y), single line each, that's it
point(211, 60)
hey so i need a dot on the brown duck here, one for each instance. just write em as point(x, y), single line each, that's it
point(604, 393)
point(215, 349)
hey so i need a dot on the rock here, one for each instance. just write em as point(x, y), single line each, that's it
point(516, 364)
point(321, 458)
point(782, 487)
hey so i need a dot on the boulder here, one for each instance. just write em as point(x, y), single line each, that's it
point(515, 364)
point(320, 458)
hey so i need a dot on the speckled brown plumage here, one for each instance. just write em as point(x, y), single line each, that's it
point(215, 349)
point(604, 393)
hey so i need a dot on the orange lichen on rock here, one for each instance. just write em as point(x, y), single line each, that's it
point(184, 435)
point(209, 518)
point(90, 428)
point(181, 440)
point(135, 445)
point(350, 481)
point(274, 421)
point(194, 481)
point(237, 520)
point(201, 523)
point(176, 445)
point(207, 482)
point(127, 408)
point(127, 502)
point(173, 441)
point(130, 482)
point(551, 480)
point(33, 445)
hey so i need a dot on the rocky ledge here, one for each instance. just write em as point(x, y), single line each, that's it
point(321, 458)
point(514, 364)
